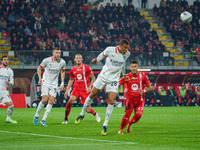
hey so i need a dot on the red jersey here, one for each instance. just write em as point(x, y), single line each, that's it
point(139, 81)
point(82, 76)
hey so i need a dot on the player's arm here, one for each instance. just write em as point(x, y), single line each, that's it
point(62, 79)
point(70, 82)
point(105, 53)
point(121, 81)
point(11, 79)
point(39, 70)
point(123, 72)
point(89, 88)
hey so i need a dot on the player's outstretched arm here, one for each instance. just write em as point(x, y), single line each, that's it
point(70, 82)
point(99, 58)
point(39, 75)
point(89, 88)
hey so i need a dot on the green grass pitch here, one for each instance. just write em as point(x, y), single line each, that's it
point(159, 128)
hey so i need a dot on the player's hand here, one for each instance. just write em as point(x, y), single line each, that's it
point(40, 82)
point(7, 82)
point(89, 90)
point(126, 78)
point(140, 91)
point(94, 60)
point(66, 93)
point(61, 88)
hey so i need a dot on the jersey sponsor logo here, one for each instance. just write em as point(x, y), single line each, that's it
point(116, 63)
point(78, 69)
point(134, 87)
point(134, 78)
point(79, 76)
point(2, 77)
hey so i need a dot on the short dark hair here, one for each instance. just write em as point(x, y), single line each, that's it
point(4, 57)
point(134, 62)
point(124, 41)
point(56, 48)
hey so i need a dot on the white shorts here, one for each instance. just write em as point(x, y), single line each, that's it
point(48, 90)
point(110, 86)
point(4, 98)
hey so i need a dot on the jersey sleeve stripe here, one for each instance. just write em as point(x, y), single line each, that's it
point(41, 66)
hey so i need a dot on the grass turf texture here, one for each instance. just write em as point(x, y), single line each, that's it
point(159, 128)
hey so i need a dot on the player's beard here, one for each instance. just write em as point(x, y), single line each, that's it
point(5, 65)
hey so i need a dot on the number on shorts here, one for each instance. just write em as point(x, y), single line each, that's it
point(55, 90)
point(114, 83)
point(140, 108)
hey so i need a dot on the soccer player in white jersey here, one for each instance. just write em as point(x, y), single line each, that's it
point(6, 78)
point(109, 77)
point(49, 83)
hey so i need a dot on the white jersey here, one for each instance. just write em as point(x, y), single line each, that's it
point(115, 62)
point(51, 71)
point(6, 74)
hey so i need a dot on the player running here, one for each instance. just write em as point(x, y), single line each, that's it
point(6, 78)
point(138, 84)
point(49, 83)
point(81, 74)
point(109, 77)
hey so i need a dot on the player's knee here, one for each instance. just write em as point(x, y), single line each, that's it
point(11, 106)
point(72, 100)
point(88, 109)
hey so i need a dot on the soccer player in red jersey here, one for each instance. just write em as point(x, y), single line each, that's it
point(137, 84)
point(80, 75)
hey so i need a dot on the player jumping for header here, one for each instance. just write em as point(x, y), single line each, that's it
point(49, 83)
point(137, 84)
point(81, 74)
point(6, 78)
point(109, 77)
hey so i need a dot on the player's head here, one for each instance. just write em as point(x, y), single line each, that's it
point(170, 87)
point(183, 87)
point(123, 46)
point(134, 67)
point(4, 61)
point(78, 59)
point(56, 53)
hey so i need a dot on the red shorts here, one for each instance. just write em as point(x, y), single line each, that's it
point(135, 104)
point(81, 94)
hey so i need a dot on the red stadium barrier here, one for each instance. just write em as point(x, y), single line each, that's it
point(18, 100)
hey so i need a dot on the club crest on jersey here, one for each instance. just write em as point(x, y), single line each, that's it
point(134, 87)
point(79, 76)
point(134, 78)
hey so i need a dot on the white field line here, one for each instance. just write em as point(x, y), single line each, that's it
point(11, 146)
point(64, 137)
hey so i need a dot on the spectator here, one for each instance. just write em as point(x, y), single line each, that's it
point(56, 43)
point(3, 24)
point(182, 96)
point(194, 55)
point(172, 96)
point(163, 98)
point(197, 91)
point(27, 30)
point(191, 96)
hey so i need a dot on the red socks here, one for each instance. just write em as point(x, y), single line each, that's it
point(92, 111)
point(68, 109)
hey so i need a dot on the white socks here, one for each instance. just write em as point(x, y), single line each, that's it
point(47, 111)
point(40, 107)
point(9, 112)
point(87, 103)
point(108, 114)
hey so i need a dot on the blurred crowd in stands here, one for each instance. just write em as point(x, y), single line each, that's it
point(185, 35)
point(40, 25)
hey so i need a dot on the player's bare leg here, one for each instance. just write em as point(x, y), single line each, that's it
point(111, 98)
point(72, 99)
point(9, 112)
point(39, 108)
point(47, 110)
point(87, 103)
